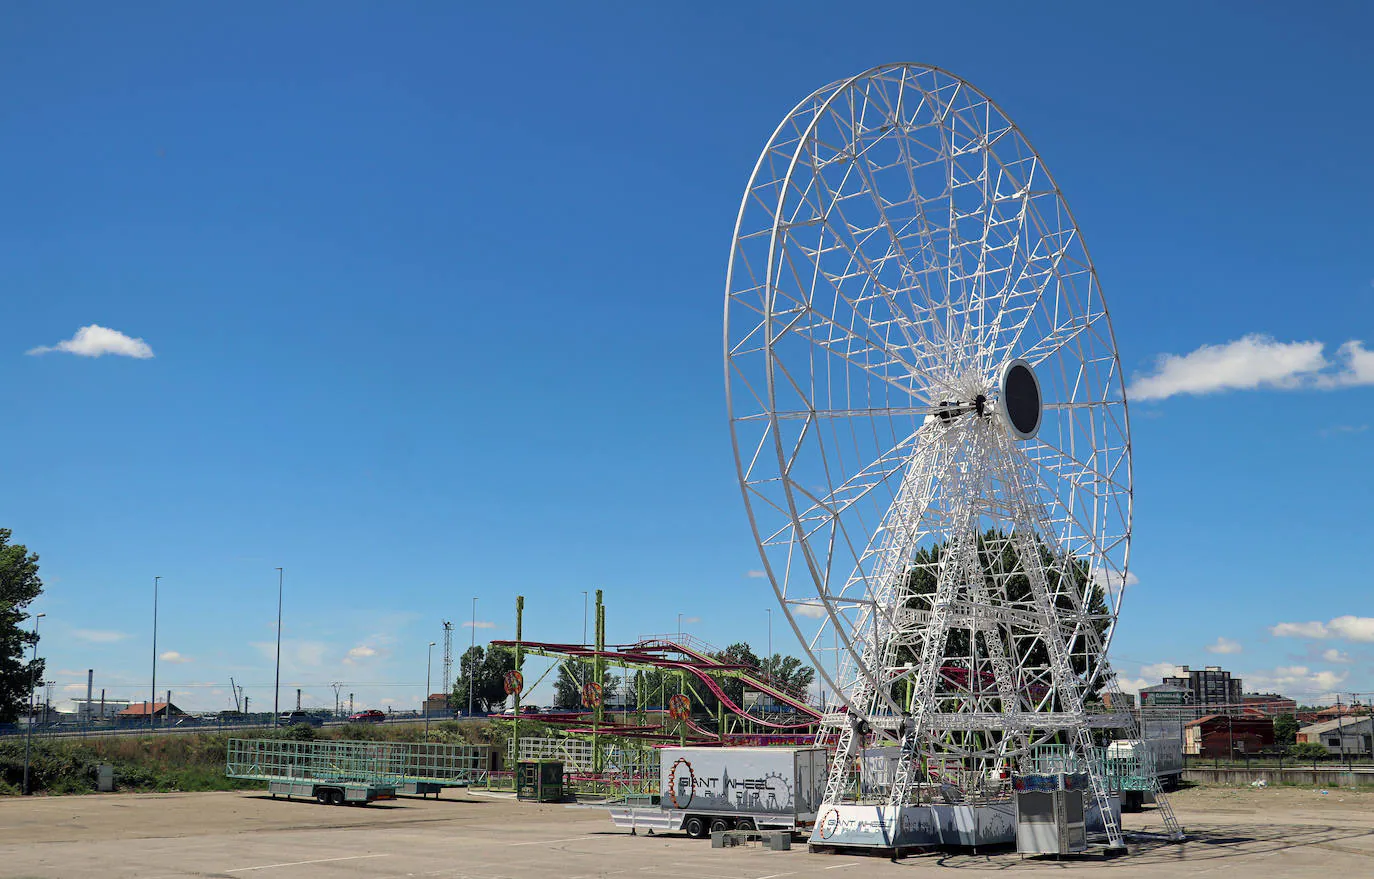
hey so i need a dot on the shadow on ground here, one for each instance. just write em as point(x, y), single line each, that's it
point(1206, 842)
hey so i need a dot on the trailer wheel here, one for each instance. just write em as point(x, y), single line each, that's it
point(745, 824)
point(322, 796)
point(719, 824)
point(695, 825)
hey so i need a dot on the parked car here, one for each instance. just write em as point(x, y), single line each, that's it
point(291, 718)
point(371, 715)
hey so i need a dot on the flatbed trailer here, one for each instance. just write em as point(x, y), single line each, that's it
point(338, 772)
point(333, 773)
point(333, 793)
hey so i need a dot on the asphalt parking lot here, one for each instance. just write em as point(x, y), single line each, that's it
point(1255, 834)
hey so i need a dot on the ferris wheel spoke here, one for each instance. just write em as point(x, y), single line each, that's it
point(846, 239)
point(843, 342)
point(859, 164)
point(826, 414)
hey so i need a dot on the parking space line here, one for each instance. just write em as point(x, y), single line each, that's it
point(301, 863)
point(549, 841)
point(838, 866)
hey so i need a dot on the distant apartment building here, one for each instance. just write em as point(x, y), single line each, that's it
point(1271, 704)
point(1214, 690)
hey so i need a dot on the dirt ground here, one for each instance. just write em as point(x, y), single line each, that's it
point(1257, 834)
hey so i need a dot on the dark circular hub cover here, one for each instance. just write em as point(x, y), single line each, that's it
point(1021, 399)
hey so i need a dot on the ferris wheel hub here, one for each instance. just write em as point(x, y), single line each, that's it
point(1019, 402)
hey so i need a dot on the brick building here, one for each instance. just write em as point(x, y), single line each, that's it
point(1227, 735)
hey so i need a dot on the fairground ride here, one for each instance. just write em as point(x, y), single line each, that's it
point(931, 437)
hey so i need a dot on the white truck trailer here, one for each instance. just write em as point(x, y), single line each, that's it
point(709, 789)
point(1161, 757)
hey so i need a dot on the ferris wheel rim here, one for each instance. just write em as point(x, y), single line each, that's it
point(823, 98)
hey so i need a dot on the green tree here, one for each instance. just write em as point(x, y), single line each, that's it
point(653, 686)
point(486, 669)
point(19, 586)
point(567, 687)
point(738, 653)
point(997, 554)
point(1285, 729)
point(469, 669)
point(1307, 751)
point(791, 675)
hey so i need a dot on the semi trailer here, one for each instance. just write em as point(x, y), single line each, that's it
point(702, 790)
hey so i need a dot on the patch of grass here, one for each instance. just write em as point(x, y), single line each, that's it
point(195, 761)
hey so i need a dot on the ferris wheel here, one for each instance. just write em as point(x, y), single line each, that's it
point(929, 423)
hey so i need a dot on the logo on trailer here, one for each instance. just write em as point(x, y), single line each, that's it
point(591, 694)
point(687, 779)
point(680, 707)
point(830, 823)
point(515, 682)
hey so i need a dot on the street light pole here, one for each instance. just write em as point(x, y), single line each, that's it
point(33, 685)
point(152, 700)
point(471, 647)
point(276, 689)
point(582, 668)
point(770, 645)
point(429, 663)
point(679, 628)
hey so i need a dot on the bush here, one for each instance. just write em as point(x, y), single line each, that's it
point(1308, 751)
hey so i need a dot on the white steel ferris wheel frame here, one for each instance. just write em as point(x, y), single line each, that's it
point(898, 247)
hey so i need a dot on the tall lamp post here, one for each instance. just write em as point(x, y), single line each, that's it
point(471, 658)
point(152, 700)
point(429, 663)
point(276, 689)
point(582, 667)
point(769, 672)
point(33, 685)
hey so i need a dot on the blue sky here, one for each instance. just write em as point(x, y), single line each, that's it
point(433, 297)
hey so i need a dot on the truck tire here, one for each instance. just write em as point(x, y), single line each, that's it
point(745, 824)
point(695, 825)
point(719, 824)
point(322, 796)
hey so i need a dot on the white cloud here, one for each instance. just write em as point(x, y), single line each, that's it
point(813, 611)
point(756, 575)
point(99, 636)
point(480, 624)
point(360, 654)
point(1297, 681)
point(173, 656)
point(96, 341)
point(1351, 628)
point(1357, 367)
point(686, 620)
point(1334, 655)
point(1343, 429)
point(1104, 577)
point(1133, 685)
point(1255, 361)
point(1158, 670)
point(1224, 645)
